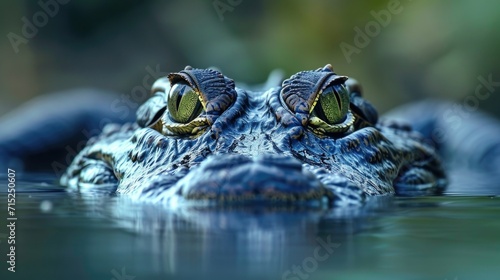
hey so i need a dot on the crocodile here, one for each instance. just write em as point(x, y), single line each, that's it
point(313, 140)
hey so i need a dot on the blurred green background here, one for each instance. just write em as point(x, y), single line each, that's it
point(426, 49)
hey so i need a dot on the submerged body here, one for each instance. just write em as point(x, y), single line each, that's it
point(313, 140)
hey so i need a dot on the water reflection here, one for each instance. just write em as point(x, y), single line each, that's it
point(234, 240)
point(97, 236)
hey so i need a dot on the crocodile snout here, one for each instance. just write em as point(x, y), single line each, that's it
point(259, 179)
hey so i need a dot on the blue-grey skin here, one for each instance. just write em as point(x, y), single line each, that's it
point(258, 148)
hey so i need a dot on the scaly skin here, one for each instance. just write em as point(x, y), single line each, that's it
point(273, 146)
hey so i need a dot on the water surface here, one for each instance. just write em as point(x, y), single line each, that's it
point(61, 235)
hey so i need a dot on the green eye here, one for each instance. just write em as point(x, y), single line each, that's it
point(332, 105)
point(183, 103)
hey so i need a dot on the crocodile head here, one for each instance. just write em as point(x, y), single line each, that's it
point(313, 140)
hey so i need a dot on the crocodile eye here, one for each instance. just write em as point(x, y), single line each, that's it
point(183, 102)
point(195, 99)
point(320, 101)
point(332, 104)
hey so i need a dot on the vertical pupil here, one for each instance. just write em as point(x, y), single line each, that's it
point(337, 97)
point(178, 99)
